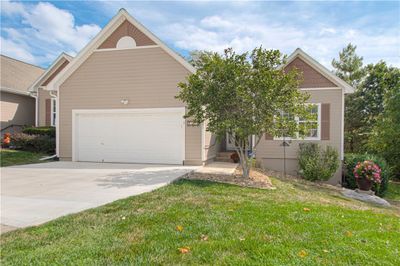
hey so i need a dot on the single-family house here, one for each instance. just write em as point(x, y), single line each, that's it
point(115, 102)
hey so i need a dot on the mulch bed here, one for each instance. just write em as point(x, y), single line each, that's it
point(257, 179)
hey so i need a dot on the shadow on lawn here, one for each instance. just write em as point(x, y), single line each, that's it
point(141, 178)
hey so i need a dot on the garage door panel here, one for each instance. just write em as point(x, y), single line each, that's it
point(130, 137)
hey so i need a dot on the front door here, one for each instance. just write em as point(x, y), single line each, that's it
point(230, 146)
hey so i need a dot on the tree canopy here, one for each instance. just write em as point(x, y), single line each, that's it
point(349, 67)
point(245, 95)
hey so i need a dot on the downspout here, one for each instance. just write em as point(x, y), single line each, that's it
point(36, 96)
point(52, 95)
point(55, 96)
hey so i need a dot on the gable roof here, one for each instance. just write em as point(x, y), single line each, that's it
point(51, 71)
point(298, 53)
point(114, 23)
point(16, 76)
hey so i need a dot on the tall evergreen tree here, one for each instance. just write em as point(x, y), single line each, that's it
point(349, 67)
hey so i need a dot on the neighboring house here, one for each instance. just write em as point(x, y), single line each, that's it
point(116, 103)
point(45, 112)
point(17, 106)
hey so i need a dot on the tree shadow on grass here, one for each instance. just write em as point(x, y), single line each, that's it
point(141, 178)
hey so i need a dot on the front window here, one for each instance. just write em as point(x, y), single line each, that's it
point(313, 131)
point(53, 112)
point(313, 125)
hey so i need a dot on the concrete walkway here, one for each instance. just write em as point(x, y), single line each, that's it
point(221, 168)
point(37, 193)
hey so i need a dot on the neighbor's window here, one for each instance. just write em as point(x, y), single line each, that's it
point(313, 133)
point(53, 112)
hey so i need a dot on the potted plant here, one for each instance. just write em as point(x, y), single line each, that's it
point(235, 157)
point(366, 174)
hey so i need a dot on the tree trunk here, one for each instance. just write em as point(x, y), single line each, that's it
point(240, 147)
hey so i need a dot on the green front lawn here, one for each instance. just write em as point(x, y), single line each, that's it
point(14, 157)
point(296, 224)
point(393, 192)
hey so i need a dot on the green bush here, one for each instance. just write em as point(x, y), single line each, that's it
point(43, 131)
point(34, 143)
point(316, 163)
point(351, 160)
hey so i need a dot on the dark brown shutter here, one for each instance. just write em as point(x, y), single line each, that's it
point(268, 136)
point(325, 121)
point(48, 112)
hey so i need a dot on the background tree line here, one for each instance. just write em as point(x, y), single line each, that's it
point(372, 112)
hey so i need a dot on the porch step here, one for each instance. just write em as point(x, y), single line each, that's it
point(223, 159)
point(224, 156)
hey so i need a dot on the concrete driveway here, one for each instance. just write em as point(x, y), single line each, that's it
point(37, 193)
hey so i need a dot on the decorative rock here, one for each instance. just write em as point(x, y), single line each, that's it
point(365, 196)
point(369, 192)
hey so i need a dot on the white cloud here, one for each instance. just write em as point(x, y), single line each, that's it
point(327, 30)
point(244, 33)
point(215, 22)
point(46, 32)
point(11, 8)
point(16, 50)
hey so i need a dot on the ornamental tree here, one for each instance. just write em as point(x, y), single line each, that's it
point(245, 95)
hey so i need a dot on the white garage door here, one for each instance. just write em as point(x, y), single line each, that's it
point(129, 136)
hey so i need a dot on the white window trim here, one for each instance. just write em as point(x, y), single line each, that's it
point(53, 112)
point(131, 48)
point(318, 137)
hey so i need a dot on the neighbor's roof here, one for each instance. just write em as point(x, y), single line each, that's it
point(17, 76)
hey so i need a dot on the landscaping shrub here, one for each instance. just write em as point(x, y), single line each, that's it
point(316, 163)
point(34, 143)
point(351, 160)
point(43, 131)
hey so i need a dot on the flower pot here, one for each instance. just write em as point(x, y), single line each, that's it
point(364, 184)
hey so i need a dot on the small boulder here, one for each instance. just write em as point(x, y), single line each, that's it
point(365, 196)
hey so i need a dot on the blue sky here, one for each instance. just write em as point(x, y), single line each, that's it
point(37, 32)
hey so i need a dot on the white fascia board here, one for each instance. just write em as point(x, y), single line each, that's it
point(320, 68)
point(155, 39)
point(114, 23)
point(14, 91)
point(49, 71)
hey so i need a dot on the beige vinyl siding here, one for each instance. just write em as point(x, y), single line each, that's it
point(270, 152)
point(146, 77)
point(210, 144)
point(16, 109)
point(43, 96)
